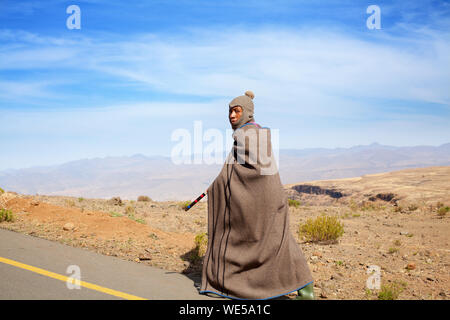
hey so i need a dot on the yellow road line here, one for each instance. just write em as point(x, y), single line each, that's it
point(65, 279)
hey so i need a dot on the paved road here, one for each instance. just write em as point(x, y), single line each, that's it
point(34, 268)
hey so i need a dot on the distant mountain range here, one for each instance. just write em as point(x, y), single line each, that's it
point(160, 179)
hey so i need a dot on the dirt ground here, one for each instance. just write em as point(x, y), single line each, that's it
point(404, 236)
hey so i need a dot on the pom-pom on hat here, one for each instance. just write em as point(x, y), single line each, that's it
point(250, 94)
point(246, 103)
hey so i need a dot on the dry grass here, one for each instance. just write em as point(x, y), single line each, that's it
point(322, 229)
point(392, 250)
point(144, 199)
point(183, 205)
point(6, 215)
point(442, 211)
point(391, 291)
point(294, 203)
point(201, 242)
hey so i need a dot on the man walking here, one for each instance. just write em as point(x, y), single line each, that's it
point(251, 253)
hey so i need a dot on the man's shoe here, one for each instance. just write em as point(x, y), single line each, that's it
point(306, 293)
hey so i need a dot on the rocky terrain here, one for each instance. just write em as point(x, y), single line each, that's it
point(394, 220)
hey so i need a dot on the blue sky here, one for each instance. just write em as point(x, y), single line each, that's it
point(138, 70)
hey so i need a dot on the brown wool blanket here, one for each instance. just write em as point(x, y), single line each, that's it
point(251, 252)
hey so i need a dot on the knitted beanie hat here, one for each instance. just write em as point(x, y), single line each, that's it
point(246, 103)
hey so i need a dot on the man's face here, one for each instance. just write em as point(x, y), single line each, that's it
point(235, 114)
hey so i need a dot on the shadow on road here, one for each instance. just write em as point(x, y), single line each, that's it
point(193, 271)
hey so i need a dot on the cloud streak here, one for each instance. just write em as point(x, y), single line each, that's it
point(281, 64)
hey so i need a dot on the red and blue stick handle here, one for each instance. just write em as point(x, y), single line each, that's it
point(195, 201)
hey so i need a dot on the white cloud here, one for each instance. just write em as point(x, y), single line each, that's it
point(25, 91)
point(285, 66)
point(101, 120)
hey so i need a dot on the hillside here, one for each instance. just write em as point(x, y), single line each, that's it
point(411, 186)
point(162, 180)
point(393, 220)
